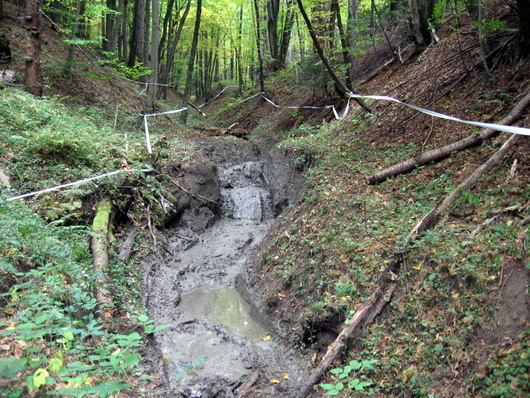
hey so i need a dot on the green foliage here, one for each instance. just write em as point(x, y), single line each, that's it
point(507, 373)
point(346, 377)
point(49, 144)
point(135, 72)
point(57, 342)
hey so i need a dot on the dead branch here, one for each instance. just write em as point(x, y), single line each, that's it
point(493, 161)
point(243, 389)
point(126, 249)
point(99, 246)
point(445, 151)
point(363, 315)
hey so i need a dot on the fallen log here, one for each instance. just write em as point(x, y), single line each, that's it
point(493, 161)
point(363, 315)
point(100, 257)
point(445, 151)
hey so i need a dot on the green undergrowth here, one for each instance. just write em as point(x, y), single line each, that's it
point(52, 337)
point(346, 233)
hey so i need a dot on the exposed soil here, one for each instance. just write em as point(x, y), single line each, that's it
point(216, 343)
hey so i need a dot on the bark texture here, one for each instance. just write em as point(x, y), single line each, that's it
point(99, 246)
point(445, 151)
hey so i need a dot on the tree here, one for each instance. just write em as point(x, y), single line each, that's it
point(193, 53)
point(523, 12)
point(173, 47)
point(258, 45)
point(151, 88)
point(137, 36)
point(70, 59)
point(33, 74)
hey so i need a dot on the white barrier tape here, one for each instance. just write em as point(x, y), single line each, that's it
point(164, 113)
point(218, 94)
point(147, 136)
point(75, 183)
point(146, 126)
point(492, 126)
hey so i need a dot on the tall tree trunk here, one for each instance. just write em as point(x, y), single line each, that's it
point(151, 89)
point(110, 24)
point(69, 61)
point(523, 13)
point(166, 28)
point(144, 59)
point(193, 53)
point(33, 74)
point(286, 31)
point(238, 51)
point(345, 43)
point(173, 49)
point(273, 9)
point(340, 85)
point(137, 37)
point(258, 44)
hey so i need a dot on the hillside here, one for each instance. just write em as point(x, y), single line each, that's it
point(455, 317)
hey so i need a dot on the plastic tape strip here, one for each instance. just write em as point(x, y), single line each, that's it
point(498, 127)
point(75, 183)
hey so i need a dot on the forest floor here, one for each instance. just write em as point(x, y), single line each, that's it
point(458, 321)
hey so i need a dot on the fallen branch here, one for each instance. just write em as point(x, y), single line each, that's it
point(363, 315)
point(445, 151)
point(126, 249)
point(431, 217)
point(99, 246)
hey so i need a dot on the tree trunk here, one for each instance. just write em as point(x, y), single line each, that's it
point(431, 217)
point(137, 38)
point(151, 88)
point(286, 32)
point(173, 49)
point(100, 231)
point(340, 85)
point(445, 151)
point(70, 60)
point(238, 51)
point(523, 13)
point(273, 9)
point(345, 43)
point(33, 73)
point(258, 45)
point(191, 62)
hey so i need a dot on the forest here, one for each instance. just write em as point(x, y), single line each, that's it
point(266, 198)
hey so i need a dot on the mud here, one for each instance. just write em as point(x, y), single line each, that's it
point(216, 344)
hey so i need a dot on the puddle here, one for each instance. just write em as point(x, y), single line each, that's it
point(211, 344)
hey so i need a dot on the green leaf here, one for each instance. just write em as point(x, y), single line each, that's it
point(10, 366)
point(55, 364)
point(143, 318)
point(110, 387)
point(39, 378)
point(327, 386)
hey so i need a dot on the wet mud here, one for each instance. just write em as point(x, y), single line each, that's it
point(215, 343)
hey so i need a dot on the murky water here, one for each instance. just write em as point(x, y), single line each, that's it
point(211, 344)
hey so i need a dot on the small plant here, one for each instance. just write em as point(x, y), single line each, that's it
point(347, 379)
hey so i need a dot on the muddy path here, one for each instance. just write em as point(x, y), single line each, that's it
point(216, 343)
